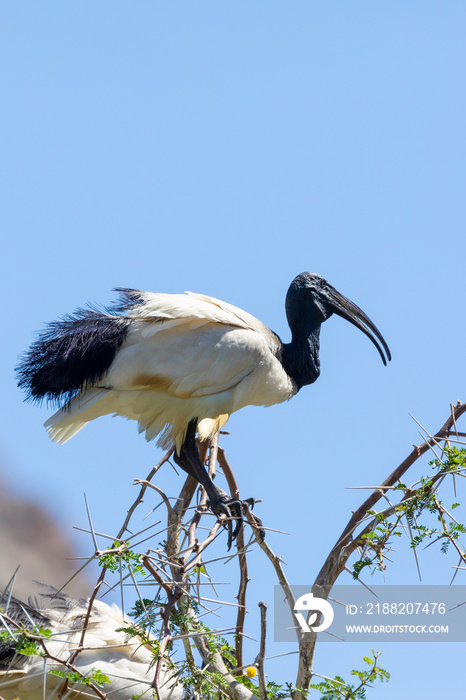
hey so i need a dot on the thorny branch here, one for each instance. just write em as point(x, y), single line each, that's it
point(102, 574)
point(175, 564)
point(175, 568)
point(242, 560)
point(348, 541)
point(260, 659)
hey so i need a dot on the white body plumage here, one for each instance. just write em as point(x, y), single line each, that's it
point(128, 663)
point(185, 356)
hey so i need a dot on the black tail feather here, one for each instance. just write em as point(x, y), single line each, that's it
point(75, 352)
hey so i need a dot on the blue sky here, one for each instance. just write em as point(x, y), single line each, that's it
point(224, 148)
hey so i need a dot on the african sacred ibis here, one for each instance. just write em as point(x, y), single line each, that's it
point(127, 661)
point(180, 364)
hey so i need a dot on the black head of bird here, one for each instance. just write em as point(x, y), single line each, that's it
point(310, 301)
point(180, 364)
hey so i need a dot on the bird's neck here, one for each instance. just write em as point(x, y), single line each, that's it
point(301, 357)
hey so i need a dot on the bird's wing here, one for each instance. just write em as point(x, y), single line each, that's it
point(188, 345)
point(179, 307)
point(160, 359)
point(186, 358)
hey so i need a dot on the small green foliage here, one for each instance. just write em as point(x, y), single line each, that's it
point(424, 499)
point(416, 504)
point(424, 532)
point(216, 679)
point(376, 544)
point(227, 652)
point(337, 688)
point(196, 571)
point(182, 621)
point(27, 646)
point(333, 689)
point(248, 683)
point(359, 565)
point(124, 558)
point(135, 631)
point(155, 644)
point(74, 677)
point(454, 460)
point(26, 643)
point(205, 684)
point(45, 632)
point(142, 607)
point(98, 677)
point(148, 615)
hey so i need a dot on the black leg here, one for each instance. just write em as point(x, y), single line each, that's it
point(190, 461)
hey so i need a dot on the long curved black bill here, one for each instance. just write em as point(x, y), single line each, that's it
point(347, 309)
